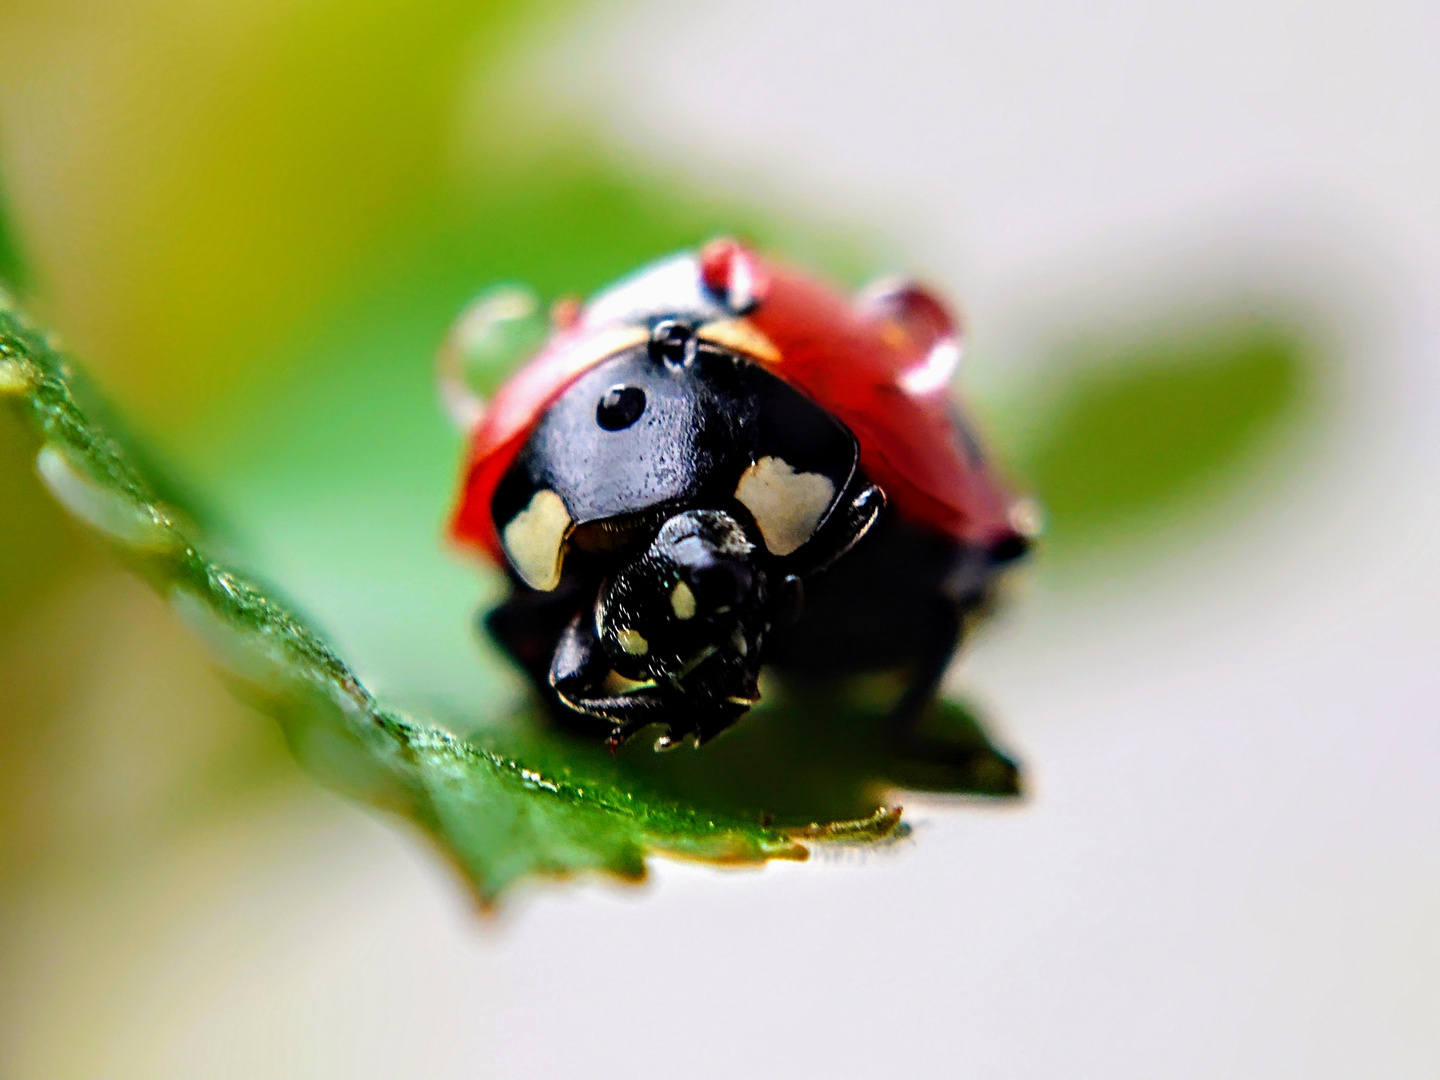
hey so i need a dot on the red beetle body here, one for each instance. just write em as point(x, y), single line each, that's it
point(878, 367)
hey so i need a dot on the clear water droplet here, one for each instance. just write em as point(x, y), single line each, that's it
point(497, 332)
point(135, 524)
point(239, 651)
point(13, 378)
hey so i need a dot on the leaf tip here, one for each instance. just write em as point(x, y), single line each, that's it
point(884, 824)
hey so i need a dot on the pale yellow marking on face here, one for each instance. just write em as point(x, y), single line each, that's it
point(737, 640)
point(682, 602)
point(618, 684)
point(632, 642)
point(740, 335)
point(695, 661)
point(535, 540)
point(787, 505)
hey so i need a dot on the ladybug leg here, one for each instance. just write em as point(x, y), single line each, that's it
point(582, 679)
point(528, 623)
point(929, 671)
point(939, 744)
point(965, 591)
point(941, 734)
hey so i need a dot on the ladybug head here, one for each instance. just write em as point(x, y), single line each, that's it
point(691, 606)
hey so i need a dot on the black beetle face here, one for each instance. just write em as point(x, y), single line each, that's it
point(694, 597)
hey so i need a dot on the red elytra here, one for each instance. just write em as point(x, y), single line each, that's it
point(871, 364)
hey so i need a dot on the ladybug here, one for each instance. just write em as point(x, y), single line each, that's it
point(720, 464)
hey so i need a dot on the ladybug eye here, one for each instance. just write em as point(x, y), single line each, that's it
point(620, 407)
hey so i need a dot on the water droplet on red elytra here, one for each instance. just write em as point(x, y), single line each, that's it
point(730, 273)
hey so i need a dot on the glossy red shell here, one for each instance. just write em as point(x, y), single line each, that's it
point(857, 360)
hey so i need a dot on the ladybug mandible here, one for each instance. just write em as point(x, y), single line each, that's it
point(719, 464)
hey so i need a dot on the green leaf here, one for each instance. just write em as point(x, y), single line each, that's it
point(12, 270)
point(523, 803)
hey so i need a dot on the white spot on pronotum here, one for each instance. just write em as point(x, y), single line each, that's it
point(535, 540)
point(934, 372)
point(682, 601)
point(119, 517)
point(632, 642)
point(787, 505)
point(13, 379)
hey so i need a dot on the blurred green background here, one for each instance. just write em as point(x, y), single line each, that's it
point(254, 222)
